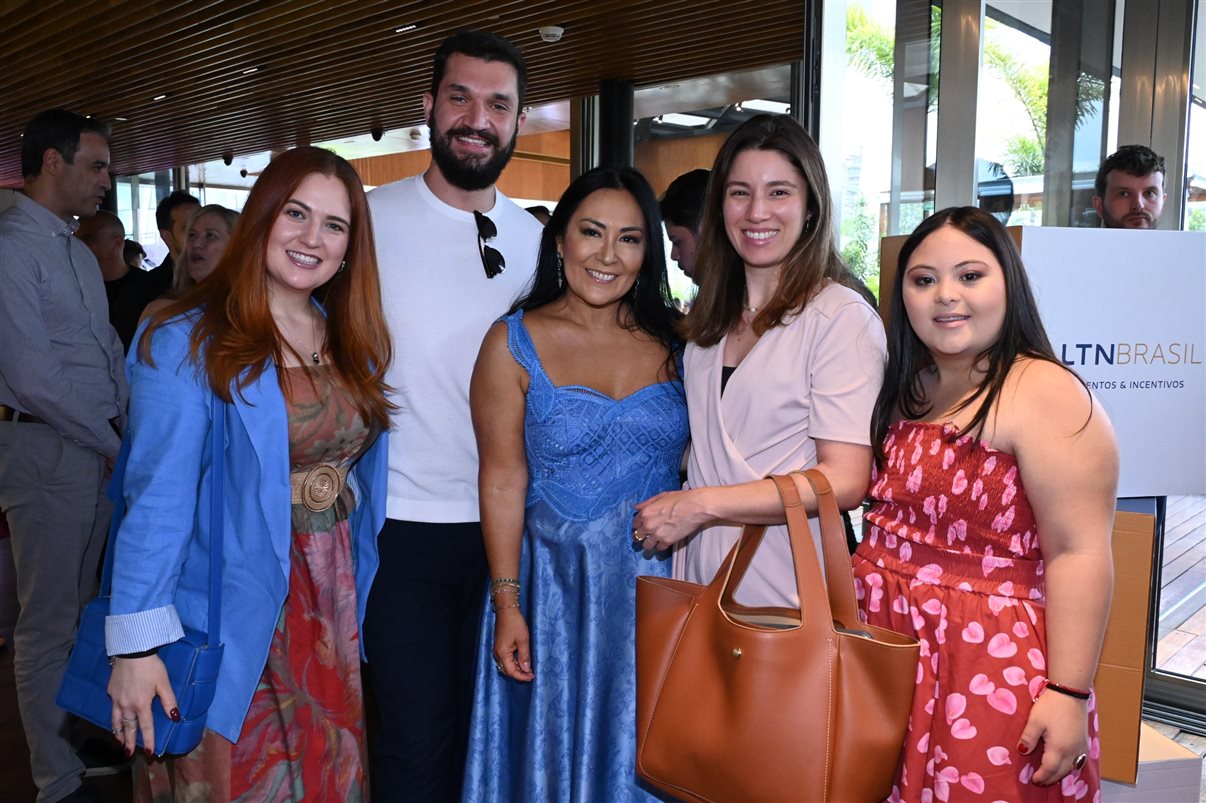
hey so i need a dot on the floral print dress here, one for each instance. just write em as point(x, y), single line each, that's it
point(303, 738)
point(953, 558)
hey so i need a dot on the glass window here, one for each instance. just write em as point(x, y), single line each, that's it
point(878, 122)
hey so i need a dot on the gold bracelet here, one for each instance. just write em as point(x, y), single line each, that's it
point(498, 608)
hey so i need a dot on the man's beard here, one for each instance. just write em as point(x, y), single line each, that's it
point(1121, 222)
point(468, 175)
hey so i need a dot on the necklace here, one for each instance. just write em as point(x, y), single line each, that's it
point(314, 332)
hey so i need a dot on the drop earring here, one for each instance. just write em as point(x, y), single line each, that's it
point(343, 264)
point(560, 271)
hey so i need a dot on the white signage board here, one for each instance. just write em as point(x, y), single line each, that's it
point(1126, 310)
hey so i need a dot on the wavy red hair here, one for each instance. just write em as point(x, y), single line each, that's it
point(235, 337)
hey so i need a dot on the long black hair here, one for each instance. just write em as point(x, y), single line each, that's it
point(1022, 333)
point(647, 307)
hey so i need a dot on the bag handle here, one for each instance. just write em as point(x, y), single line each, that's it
point(810, 583)
point(838, 577)
point(217, 451)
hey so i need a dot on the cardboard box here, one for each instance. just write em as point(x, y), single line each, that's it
point(1120, 673)
point(1168, 772)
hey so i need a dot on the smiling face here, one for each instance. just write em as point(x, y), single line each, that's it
point(310, 237)
point(954, 293)
point(206, 242)
point(1131, 202)
point(765, 208)
point(474, 120)
point(603, 247)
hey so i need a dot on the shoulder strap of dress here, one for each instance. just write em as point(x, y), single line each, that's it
point(519, 341)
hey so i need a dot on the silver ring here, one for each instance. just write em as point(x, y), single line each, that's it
point(129, 719)
point(498, 665)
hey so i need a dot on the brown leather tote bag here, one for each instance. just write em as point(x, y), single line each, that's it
point(767, 704)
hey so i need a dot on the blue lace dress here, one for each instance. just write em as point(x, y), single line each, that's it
point(570, 734)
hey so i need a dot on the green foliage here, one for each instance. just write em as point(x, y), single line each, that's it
point(1027, 83)
point(861, 249)
point(1024, 156)
point(869, 47)
point(1196, 221)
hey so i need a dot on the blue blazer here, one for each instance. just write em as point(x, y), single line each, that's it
point(161, 563)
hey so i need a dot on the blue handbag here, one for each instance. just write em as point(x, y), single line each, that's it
point(192, 662)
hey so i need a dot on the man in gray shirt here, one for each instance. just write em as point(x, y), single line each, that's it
point(62, 399)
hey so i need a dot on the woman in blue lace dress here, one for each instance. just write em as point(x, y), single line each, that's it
point(579, 413)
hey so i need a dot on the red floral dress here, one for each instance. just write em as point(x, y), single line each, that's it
point(952, 557)
point(303, 738)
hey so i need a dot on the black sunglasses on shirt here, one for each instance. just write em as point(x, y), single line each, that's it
point(492, 259)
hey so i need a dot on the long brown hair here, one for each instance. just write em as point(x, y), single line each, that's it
point(235, 337)
point(813, 259)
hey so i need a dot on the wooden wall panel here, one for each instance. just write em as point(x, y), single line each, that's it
point(663, 160)
point(246, 76)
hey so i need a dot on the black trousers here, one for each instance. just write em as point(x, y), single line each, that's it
point(420, 637)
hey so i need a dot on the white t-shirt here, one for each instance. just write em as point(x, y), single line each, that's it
point(438, 305)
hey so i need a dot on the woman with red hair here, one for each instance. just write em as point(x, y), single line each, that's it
point(305, 410)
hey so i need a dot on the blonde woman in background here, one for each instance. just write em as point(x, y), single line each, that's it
point(207, 234)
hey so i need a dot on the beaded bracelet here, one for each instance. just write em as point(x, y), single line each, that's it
point(498, 608)
point(1048, 683)
point(504, 584)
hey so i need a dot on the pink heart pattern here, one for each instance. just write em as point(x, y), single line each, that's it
point(953, 544)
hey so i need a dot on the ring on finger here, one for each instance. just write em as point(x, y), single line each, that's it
point(129, 719)
point(118, 731)
point(1079, 762)
point(498, 665)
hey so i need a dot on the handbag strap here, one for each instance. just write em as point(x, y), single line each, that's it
point(217, 450)
point(838, 578)
point(217, 516)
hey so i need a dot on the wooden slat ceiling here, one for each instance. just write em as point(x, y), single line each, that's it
point(326, 69)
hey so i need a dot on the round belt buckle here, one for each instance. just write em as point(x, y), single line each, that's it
point(320, 488)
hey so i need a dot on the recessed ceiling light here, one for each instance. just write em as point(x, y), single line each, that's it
point(689, 120)
point(250, 70)
point(760, 105)
point(121, 119)
point(159, 97)
point(406, 28)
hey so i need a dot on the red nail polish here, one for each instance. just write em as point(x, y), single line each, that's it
point(174, 715)
point(1023, 749)
point(149, 752)
point(129, 752)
